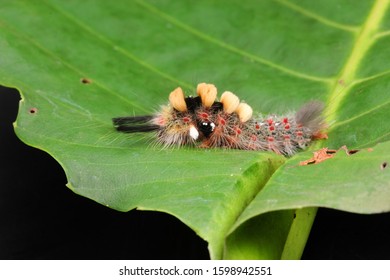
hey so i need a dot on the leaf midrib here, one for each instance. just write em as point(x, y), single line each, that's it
point(363, 42)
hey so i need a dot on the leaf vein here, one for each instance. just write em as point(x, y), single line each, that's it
point(27, 38)
point(122, 51)
point(229, 47)
point(317, 17)
point(363, 42)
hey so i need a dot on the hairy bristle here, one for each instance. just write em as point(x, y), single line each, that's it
point(135, 124)
point(193, 132)
point(207, 93)
point(177, 100)
point(132, 120)
point(310, 116)
point(230, 102)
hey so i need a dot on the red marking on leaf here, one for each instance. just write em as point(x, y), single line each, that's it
point(319, 156)
point(324, 154)
point(320, 135)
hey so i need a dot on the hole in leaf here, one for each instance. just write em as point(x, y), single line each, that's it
point(33, 110)
point(383, 165)
point(351, 152)
point(85, 81)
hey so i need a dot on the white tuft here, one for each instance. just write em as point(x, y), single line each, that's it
point(194, 133)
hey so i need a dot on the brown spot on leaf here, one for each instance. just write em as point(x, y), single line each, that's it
point(33, 110)
point(320, 135)
point(85, 81)
point(319, 156)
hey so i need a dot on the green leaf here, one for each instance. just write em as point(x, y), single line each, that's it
point(78, 64)
point(357, 183)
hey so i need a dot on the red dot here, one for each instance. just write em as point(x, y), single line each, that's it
point(285, 120)
point(257, 126)
point(270, 121)
point(270, 139)
point(161, 121)
point(287, 127)
point(299, 133)
point(222, 121)
point(186, 119)
point(204, 116)
point(238, 131)
point(271, 128)
point(253, 137)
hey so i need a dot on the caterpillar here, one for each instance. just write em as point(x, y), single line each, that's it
point(205, 122)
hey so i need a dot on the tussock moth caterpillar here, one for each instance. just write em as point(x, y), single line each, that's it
point(228, 123)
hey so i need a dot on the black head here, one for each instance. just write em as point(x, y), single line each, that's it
point(206, 128)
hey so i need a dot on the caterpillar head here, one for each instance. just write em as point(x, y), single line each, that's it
point(201, 118)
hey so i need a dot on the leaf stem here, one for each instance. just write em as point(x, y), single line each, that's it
point(299, 233)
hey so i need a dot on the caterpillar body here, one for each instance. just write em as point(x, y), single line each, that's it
point(228, 123)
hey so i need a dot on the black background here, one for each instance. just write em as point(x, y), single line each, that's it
point(40, 218)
